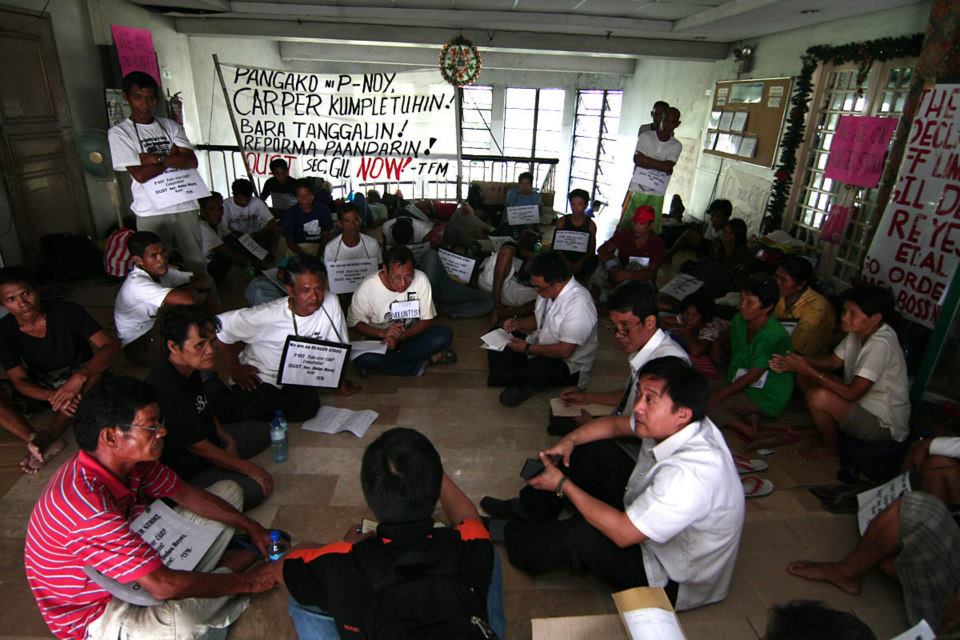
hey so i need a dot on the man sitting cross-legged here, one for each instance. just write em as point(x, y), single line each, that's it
point(151, 284)
point(52, 351)
point(672, 519)
point(251, 343)
point(82, 521)
point(395, 305)
point(198, 447)
point(402, 478)
point(562, 340)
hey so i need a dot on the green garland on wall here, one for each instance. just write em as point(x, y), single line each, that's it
point(865, 53)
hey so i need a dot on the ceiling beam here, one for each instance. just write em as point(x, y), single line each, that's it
point(725, 11)
point(424, 57)
point(540, 22)
point(417, 36)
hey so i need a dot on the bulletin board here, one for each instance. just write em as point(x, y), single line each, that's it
point(746, 119)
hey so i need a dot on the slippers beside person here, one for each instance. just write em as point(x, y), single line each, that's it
point(447, 356)
point(34, 461)
point(756, 487)
point(745, 464)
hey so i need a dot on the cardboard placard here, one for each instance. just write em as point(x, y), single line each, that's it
point(646, 612)
point(180, 542)
point(135, 51)
point(681, 286)
point(527, 214)
point(870, 503)
point(457, 266)
point(345, 276)
point(251, 245)
point(649, 181)
point(175, 186)
point(565, 240)
point(404, 310)
point(313, 363)
point(859, 150)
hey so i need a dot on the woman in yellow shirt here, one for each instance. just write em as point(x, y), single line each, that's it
point(813, 314)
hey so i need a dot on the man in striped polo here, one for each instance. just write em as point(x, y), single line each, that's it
point(80, 548)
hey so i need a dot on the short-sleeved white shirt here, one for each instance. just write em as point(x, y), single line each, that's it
point(367, 248)
point(210, 239)
point(571, 317)
point(685, 495)
point(264, 330)
point(372, 300)
point(249, 219)
point(945, 446)
point(651, 146)
point(660, 345)
point(128, 140)
point(421, 230)
point(881, 361)
point(139, 299)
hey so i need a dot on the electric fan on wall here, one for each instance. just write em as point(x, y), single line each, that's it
point(93, 150)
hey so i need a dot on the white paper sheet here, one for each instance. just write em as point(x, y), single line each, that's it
point(336, 419)
point(496, 340)
point(180, 542)
point(649, 180)
point(922, 631)
point(681, 286)
point(564, 240)
point(739, 122)
point(404, 310)
point(346, 275)
point(175, 186)
point(652, 624)
point(251, 245)
point(870, 503)
point(562, 410)
point(361, 347)
point(526, 214)
point(310, 364)
point(457, 266)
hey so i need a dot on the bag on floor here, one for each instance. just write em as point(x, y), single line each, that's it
point(419, 593)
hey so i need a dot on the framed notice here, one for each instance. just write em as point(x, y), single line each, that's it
point(345, 276)
point(313, 363)
point(576, 241)
point(753, 109)
point(527, 214)
point(175, 186)
point(457, 266)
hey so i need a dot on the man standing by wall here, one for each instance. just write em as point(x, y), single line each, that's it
point(145, 146)
point(656, 154)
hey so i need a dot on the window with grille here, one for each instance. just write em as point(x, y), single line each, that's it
point(532, 123)
point(883, 94)
point(594, 140)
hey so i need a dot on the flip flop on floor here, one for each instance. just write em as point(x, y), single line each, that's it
point(447, 356)
point(756, 487)
point(746, 465)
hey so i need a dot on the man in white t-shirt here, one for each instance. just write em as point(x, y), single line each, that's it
point(244, 213)
point(655, 156)
point(145, 146)
point(405, 229)
point(673, 519)
point(252, 342)
point(351, 244)
point(561, 340)
point(395, 306)
point(151, 284)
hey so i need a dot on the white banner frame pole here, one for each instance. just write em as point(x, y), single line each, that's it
point(233, 122)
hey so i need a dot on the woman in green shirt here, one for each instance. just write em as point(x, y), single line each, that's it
point(755, 337)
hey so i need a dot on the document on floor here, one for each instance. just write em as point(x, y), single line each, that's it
point(361, 347)
point(871, 503)
point(335, 419)
point(496, 340)
point(922, 631)
point(561, 409)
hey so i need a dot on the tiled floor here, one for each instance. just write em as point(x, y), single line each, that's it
point(483, 445)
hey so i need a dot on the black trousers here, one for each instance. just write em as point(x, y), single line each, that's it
point(511, 369)
point(252, 437)
point(233, 404)
point(602, 470)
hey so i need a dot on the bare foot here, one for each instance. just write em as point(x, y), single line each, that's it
point(238, 560)
point(825, 572)
point(818, 454)
point(35, 459)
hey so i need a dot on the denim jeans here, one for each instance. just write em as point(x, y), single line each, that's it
point(261, 289)
point(410, 355)
point(459, 300)
point(313, 623)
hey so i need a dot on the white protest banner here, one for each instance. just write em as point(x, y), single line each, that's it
point(870, 503)
point(649, 181)
point(175, 186)
point(346, 275)
point(251, 245)
point(457, 266)
point(564, 240)
point(747, 191)
point(681, 286)
point(404, 310)
point(526, 214)
point(917, 240)
point(312, 363)
point(344, 127)
point(180, 542)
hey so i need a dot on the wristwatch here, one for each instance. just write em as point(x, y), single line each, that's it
point(559, 489)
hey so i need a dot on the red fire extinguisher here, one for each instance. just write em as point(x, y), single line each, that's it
point(176, 107)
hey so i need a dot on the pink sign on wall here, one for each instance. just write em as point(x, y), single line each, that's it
point(859, 149)
point(135, 50)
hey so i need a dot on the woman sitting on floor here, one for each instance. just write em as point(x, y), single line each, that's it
point(870, 401)
point(698, 331)
point(800, 306)
point(755, 337)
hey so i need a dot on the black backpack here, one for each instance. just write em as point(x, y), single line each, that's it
point(419, 595)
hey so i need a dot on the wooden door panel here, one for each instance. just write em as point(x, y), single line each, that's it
point(31, 99)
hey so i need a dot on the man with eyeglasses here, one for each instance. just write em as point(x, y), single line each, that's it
point(395, 306)
point(633, 319)
point(80, 527)
point(554, 347)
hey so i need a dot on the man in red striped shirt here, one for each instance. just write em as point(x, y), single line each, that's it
point(82, 519)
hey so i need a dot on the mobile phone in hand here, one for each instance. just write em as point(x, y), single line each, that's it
point(531, 468)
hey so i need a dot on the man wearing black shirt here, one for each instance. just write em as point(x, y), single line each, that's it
point(281, 187)
point(200, 449)
point(52, 352)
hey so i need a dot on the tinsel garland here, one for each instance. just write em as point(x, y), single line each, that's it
point(865, 53)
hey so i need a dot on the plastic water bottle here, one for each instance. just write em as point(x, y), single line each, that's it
point(278, 438)
point(277, 546)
